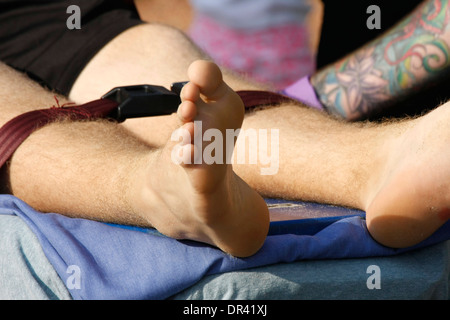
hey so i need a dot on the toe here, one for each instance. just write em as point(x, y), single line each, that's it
point(190, 92)
point(187, 111)
point(208, 77)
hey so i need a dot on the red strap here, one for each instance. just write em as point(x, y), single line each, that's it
point(14, 132)
point(253, 98)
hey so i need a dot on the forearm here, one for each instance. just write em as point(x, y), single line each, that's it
point(412, 55)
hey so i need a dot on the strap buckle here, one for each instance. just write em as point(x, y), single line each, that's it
point(144, 100)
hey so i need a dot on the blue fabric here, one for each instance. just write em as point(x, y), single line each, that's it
point(131, 263)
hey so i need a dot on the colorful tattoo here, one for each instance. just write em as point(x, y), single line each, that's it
point(411, 55)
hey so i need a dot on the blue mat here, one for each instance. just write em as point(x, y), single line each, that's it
point(116, 262)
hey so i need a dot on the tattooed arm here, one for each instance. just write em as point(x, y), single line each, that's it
point(410, 56)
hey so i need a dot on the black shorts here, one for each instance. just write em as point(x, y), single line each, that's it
point(35, 38)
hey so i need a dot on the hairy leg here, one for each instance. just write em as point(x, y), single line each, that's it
point(146, 54)
point(321, 159)
point(53, 167)
point(397, 172)
point(96, 170)
point(157, 54)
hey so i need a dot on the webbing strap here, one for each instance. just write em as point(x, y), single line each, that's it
point(15, 131)
point(254, 98)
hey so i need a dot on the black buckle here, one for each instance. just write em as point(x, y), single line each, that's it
point(144, 100)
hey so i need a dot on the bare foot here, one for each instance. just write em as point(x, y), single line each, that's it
point(205, 202)
point(413, 197)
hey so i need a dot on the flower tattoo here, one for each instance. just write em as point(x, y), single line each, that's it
point(412, 55)
point(363, 84)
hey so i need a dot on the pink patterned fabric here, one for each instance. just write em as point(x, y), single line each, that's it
point(277, 55)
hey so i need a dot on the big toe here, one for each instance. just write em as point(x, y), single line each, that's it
point(208, 77)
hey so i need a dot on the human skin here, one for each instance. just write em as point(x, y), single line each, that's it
point(379, 168)
point(408, 58)
point(97, 170)
point(322, 159)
